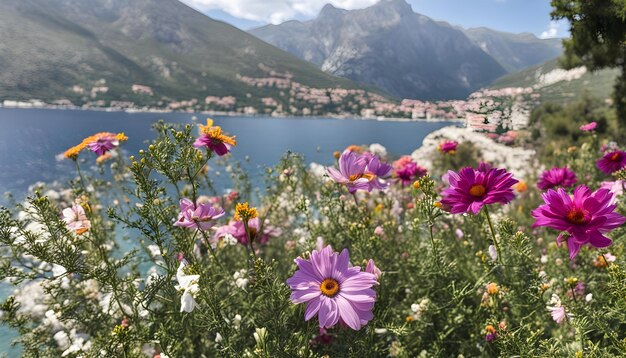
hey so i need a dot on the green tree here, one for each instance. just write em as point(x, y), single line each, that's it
point(598, 39)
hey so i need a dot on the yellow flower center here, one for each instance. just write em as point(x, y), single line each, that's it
point(368, 176)
point(477, 190)
point(329, 287)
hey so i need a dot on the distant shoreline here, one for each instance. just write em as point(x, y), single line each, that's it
point(236, 114)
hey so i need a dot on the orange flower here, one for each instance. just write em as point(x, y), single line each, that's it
point(521, 186)
point(492, 288)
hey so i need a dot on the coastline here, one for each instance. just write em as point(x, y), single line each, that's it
point(30, 106)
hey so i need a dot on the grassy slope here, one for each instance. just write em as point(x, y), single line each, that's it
point(50, 45)
point(599, 84)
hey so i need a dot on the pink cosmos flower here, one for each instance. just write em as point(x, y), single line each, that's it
point(201, 216)
point(236, 229)
point(557, 177)
point(76, 219)
point(103, 143)
point(352, 172)
point(406, 170)
point(377, 170)
point(615, 187)
point(471, 189)
point(448, 146)
point(558, 314)
point(612, 162)
point(588, 127)
point(333, 290)
point(371, 268)
point(586, 216)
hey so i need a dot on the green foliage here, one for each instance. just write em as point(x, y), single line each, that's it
point(113, 290)
point(598, 39)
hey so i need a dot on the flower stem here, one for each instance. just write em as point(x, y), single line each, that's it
point(493, 235)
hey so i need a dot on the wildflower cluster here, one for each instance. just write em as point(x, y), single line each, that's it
point(177, 252)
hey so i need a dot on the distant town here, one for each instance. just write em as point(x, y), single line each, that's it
point(492, 111)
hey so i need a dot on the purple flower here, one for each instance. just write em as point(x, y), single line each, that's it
point(586, 216)
point(612, 162)
point(377, 170)
point(333, 290)
point(103, 143)
point(237, 230)
point(471, 189)
point(588, 127)
point(352, 172)
point(213, 139)
point(201, 216)
point(490, 337)
point(373, 269)
point(557, 177)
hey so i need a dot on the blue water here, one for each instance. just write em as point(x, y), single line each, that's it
point(30, 139)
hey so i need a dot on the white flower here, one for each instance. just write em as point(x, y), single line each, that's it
point(240, 279)
point(189, 285)
point(493, 253)
point(378, 149)
point(589, 297)
point(380, 330)
point(218, 338)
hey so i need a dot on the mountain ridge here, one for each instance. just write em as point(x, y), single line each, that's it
point(53, 48)
point(432, 71)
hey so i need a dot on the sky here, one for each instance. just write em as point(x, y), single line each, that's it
point(505, 15)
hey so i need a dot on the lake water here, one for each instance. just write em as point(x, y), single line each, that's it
point(30, 139)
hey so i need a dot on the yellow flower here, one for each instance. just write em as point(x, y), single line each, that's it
point(215, 133)
point(416, 184)
point(244, 212)
point(438, 204)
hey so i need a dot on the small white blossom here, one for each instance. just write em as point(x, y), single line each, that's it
point(189, 285)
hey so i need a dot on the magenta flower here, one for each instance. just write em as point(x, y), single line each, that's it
point(201, 216)
point(352, 172)
point(103, 143)
point(333, 290)
point(612, 162)
point(236, 229)
point(373, 269)
point(557, 177)
point(471, 189)
point(406, 170)
point(586, 216)
point(588, 127)
point(448, 146)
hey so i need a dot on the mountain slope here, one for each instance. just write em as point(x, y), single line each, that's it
point(515, 51)
point(557, 85)
point(49, 46)
point(391, 47)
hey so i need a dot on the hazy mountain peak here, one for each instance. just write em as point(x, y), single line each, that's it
point(330, 10)
point(391, 47)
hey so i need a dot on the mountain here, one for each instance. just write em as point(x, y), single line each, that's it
point(558, 85)
point(515, 51)
point(391, 47)
point(98, 49)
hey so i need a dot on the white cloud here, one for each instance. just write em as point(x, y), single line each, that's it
point(274, 11)
point(551, 32)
